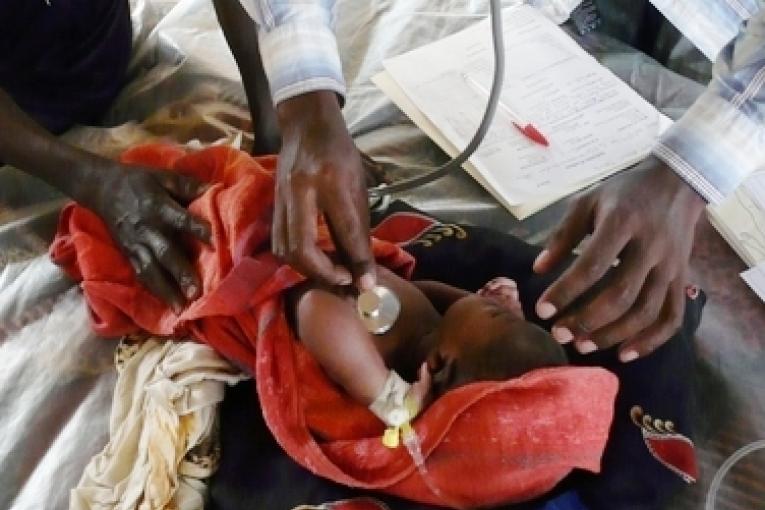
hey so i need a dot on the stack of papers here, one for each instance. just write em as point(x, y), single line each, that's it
point(596, 125)
point(740, 219)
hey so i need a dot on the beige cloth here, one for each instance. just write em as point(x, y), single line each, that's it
point(163, 441)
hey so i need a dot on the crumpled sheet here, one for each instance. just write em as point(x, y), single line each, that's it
point(162, 432)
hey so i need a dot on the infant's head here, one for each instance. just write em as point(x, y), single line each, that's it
point(481, 340)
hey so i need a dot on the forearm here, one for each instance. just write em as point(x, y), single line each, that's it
point(328, 326)
point(27, 146)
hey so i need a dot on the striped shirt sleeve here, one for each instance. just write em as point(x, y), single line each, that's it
point(721, 138)
point(297, 45)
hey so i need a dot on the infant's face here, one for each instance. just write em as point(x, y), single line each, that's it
point(479, 339)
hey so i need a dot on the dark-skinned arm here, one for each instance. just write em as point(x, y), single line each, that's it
point(140, 207)
point(330, 329)
point(320, 170)
point(647, 218)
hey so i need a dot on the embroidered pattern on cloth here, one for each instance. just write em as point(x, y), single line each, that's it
point(439, 232)
point(672, 449)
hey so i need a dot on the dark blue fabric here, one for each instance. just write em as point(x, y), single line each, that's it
point(567, 501)
point(64, 63)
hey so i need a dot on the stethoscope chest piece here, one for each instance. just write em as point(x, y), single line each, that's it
point(378, 309)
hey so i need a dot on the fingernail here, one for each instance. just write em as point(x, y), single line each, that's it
point(546, 310)
point(562, 335)
point(628, 356)
point(191, 291)
point(344, 280)
point(367, 282)
point(586, 347)
point(541, 258)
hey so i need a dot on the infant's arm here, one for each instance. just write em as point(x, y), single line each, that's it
point(440, 294)
point(330, 328)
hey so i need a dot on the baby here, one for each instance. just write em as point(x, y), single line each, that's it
point(444, 337)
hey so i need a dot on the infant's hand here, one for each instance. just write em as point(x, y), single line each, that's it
point(504, 292)
point(420, 390)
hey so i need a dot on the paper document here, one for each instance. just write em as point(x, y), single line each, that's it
point(384, 81)
point(596, 125)
point(740, 219)
point(755, 278)
point(754, 187)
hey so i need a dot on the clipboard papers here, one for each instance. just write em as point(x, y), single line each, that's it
point(740, 220)
point(596, 125)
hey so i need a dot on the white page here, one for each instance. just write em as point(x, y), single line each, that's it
point(391, 89)
point(595, 123)
point(740, 219)
point(385, 82)
point(754, 186)
point(755, 278)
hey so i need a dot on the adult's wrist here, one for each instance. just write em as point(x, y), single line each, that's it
point(683, 194)
point(86, 176)
point(295, 112)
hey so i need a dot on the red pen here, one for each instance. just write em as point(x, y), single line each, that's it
point(526, 128)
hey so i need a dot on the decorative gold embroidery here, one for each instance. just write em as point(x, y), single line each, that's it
point(646, 422)
point(438, 232)
point(677, 453)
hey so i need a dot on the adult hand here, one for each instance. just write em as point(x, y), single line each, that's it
point(646, 219)
point(142, 210)
point(320, 171)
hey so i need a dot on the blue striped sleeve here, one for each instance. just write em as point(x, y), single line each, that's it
point(297, 45)
point(721, 139)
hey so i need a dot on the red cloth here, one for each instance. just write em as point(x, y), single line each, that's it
point(485, 444)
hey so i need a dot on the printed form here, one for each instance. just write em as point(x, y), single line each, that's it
point(596, 125)
point(740, 219)
point(755, 278)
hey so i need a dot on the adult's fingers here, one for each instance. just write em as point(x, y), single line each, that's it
point(643, 314)
point(174, 261)
point(349, 225)
point(604, 247)
point(150, 274)
point(182, 187)
point(623, 286)
point(670, 320)
point(574, 227)
point(302, 251)
point(178, 218)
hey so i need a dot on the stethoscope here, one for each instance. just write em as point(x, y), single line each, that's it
point(495, 13)
point(379, 308)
